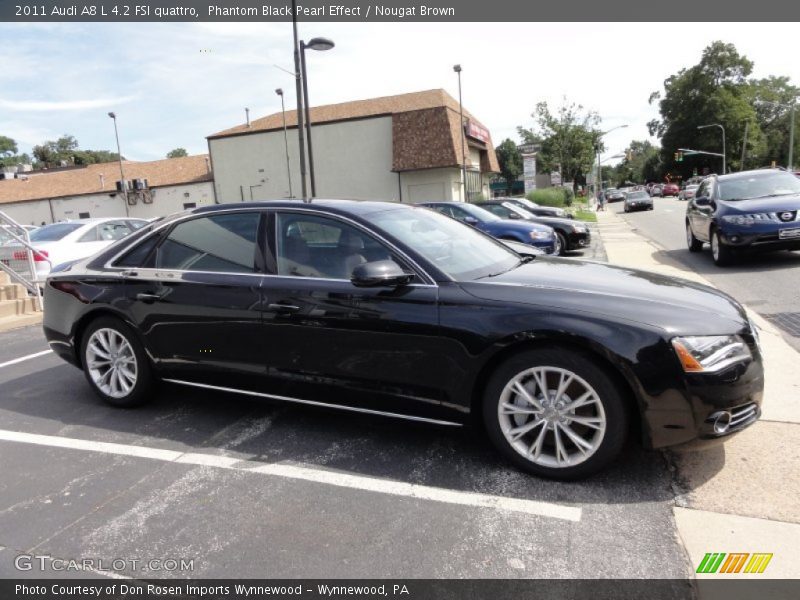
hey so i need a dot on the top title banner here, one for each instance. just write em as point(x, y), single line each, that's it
point(394, 10)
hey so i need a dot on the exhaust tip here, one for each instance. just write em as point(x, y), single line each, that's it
point(721, 421)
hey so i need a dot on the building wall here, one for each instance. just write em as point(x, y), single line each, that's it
point(431, 185)
point(166, 200)
point(352, 159)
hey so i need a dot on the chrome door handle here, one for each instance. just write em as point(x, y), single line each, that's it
point(148, 298)
point(284, 308)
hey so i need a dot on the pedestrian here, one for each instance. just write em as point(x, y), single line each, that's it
point(601, 201)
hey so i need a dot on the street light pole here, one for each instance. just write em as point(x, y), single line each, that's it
point(791, 141)
point(598, 186)
point(315, 44)
point(724, 162)
point(279, 91)
point(457, 69)
point(299, 90)
point(119, 156)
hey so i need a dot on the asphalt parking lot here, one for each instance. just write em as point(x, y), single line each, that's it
point(252, 489)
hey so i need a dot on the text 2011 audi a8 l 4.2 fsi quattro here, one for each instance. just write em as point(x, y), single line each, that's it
point(396, 310)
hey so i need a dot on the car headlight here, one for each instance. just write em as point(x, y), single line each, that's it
point(710, 353)
point(579, 228)
point(738, 219)
point(540, 235)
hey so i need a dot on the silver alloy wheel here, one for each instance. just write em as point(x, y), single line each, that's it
point(557, 246)
point(715, 245)
point(689, 235)
point(111, 363)
point(551, 416)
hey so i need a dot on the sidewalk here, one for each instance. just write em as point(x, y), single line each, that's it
point(744, 495)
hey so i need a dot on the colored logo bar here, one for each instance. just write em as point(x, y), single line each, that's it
point(734, 562)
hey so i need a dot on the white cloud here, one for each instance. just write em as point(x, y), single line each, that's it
point(63, 105)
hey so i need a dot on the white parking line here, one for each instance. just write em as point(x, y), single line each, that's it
point(24, 358)
point(357, 482)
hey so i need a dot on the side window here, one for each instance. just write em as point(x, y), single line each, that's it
point(137, 256)
point(312, 246)
point(89, 236)
point(221, 243)
point(459, 213)
point(445, 210)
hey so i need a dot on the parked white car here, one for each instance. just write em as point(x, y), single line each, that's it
point(71, 240)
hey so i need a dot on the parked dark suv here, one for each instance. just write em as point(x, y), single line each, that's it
point(747, 211)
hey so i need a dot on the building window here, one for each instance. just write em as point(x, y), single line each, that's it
point(83, 215)
point(474, 186)
point(188, 205)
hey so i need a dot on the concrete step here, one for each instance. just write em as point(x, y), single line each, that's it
point(16, 321)
point(4, 278)
point(12, 291)
point(18, 306)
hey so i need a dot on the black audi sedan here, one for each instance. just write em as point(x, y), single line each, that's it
point(749, 211)
point(396, 310)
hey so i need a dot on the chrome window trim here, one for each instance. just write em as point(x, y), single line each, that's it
point(109, 263)
point(368, 411)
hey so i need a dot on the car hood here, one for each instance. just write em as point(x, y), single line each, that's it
point(552, 221)
point(757, 205)
point(675, 306)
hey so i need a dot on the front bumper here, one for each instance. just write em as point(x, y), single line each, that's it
point(761, 238)
point(577, 240)
point(640, 205)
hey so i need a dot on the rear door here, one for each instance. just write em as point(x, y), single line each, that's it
point(195, 294)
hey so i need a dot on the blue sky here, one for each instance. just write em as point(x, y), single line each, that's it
point(173, 84)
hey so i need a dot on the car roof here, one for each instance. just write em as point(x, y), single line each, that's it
point(748, 174)
point(341, 206)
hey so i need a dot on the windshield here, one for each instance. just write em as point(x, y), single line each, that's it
point(637, 195)
point(526, 202)
point(54, 232)
point(520, 211)
point(479, 213)
point(758, 185)
point(459, 250)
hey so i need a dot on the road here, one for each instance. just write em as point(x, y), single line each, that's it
point(251, 489)
point(768, 283)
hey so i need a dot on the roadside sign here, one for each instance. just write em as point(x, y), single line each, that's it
point(555, 178)
point(529, 148)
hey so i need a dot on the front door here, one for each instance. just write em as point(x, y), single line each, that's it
point(329, 341)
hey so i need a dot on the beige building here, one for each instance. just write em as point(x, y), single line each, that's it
point(164, 186)
point(405, 148)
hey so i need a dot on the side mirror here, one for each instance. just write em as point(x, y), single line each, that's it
point(471, 221)
point(380, 273)
point(514, 216)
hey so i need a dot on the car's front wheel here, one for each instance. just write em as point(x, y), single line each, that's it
point(561, 244)
point(115, 363)
point(722, 254)
point(555, 413)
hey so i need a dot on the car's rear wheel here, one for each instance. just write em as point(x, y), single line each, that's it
point(115, 364)
point(555, 413)
point(722, 255)
point(692, 242)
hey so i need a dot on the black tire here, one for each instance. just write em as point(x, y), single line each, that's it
point(562, 250)
point(692, 242)
point(585, 367)
point(142, 388)
point(722, 255)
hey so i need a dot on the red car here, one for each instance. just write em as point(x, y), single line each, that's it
point(670, 189)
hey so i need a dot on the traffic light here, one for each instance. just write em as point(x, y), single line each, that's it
point(679, 157)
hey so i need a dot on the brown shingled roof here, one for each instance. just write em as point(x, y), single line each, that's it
point(420, 124)
point(43, 185)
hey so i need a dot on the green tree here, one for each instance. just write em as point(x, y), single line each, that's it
point(510, 161)
point(716, 90)
point(8, 147)
point(177, 153)
point(569, 139)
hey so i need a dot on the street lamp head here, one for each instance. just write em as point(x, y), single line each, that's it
point(279, 91)
point(320, 43)
point(457, 68)
point(112, 115)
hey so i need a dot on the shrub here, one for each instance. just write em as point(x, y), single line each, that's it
point(554, 196)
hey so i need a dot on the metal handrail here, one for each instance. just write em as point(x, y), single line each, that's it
point(32, 285)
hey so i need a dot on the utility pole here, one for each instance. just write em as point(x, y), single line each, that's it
point(299, 89)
